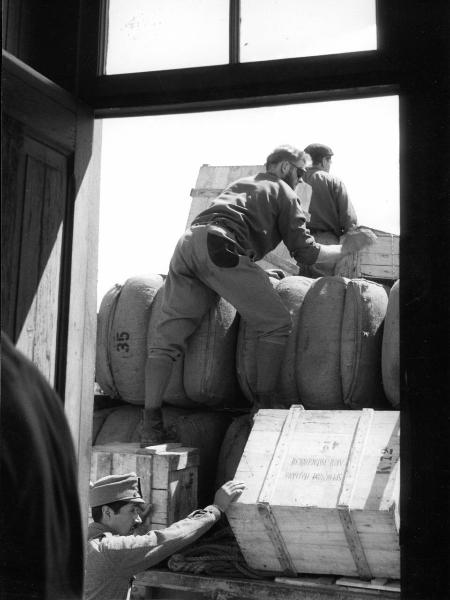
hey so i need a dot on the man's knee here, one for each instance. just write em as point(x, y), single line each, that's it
point(276, 330)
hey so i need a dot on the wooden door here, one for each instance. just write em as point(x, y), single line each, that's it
point(34, 220)
point(50, 185)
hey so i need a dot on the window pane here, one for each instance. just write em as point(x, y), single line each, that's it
point(151, 35)
point(273, 29)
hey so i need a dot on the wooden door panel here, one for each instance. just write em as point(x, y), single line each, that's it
point(44, 201)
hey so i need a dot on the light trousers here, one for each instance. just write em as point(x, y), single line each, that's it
point(208, 262)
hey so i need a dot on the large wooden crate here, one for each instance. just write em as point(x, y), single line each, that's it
point(322, 493)
point(168, 476)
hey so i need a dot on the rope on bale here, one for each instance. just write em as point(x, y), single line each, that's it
point(217, 555)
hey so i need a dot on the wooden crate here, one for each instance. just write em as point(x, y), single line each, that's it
point(168, 476)
point(322, 493)
point(379, 261)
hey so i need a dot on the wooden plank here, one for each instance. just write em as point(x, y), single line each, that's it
point(378, 272)
point(81, 312)
point(350, 478)
point(355, 457)
point(123, 462)
point(354, 543)
point(307, 581)
point(162, 448)
point(265, 496)
point(29, 276)
point(183, 493)
point(144, 470)
point(47, 296)
point(279, 545)
point(101, 465)
point(374, 584)
point(253, 589)
point(293, 418)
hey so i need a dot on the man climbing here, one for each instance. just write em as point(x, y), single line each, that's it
point(216, 256)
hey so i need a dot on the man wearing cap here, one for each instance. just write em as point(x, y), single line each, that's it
point(115, 553)
point(331, 211)
point(217, 256)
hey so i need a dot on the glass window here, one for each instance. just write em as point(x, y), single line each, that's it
point(151, 35)
point(275, 29)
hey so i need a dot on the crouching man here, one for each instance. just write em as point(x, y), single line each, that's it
point(115, 554)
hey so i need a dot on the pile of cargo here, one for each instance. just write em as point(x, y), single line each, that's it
point(342, 354)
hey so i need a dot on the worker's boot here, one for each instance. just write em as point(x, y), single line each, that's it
point(152, 428)
point(269, 359)
point(157, 375)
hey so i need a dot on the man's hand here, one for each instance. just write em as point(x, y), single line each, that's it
point(357, 239)
point(228, 493)
point(276, 273)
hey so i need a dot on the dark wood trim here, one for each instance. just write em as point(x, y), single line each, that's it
point(22, 71)
point(103, 37)
point(248, 102)
point(236, 84)
point(64, 284)
point(210, 88)
point(235, 31)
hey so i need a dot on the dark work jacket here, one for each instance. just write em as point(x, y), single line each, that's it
point(261, 211)
point(330, 207)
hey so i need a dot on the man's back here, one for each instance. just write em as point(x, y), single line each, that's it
point(330, 207)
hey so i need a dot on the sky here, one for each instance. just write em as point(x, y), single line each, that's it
point(145, 35)
point(150, 165)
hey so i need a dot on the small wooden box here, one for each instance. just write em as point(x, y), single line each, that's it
point(168, 476)
point(379, 261)
point(322, 493)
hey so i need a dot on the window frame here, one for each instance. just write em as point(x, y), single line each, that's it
point(236, 84)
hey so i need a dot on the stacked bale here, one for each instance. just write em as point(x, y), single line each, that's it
point(319, 343)
point(292, 290)
point(103, 374)
point(339, 344)
point(206, 374)
point(232, 448)
point(390, 351)
point(122, 337)
point(362, 334)
point(127, 323)
point(333, 356)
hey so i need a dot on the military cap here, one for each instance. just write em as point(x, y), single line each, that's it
point(116, 487)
